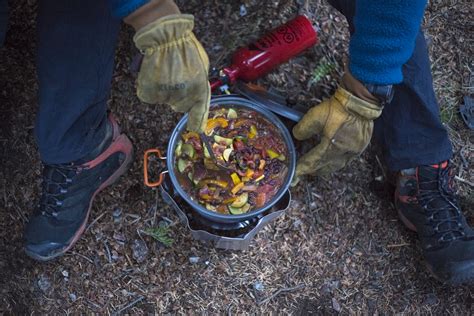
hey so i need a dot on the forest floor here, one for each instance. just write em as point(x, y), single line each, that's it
point(339, 248)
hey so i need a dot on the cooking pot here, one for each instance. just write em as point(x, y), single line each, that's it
point(237, 102)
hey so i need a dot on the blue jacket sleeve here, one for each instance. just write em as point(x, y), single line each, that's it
point(384, 38)
point(122, 8)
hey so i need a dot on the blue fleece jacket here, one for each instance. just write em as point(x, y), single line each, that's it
point(384, 38)
point(122, 8)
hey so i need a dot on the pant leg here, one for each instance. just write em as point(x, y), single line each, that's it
point(3, 20)
point(76, 48)
point(409, 129)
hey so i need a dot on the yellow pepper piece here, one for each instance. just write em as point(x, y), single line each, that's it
point(249, 173)
point(237, 188)
point(273, 154)
point(214, 122)
point(188, 135)
point(219, 183)
point(253, 132)
point(235, 178)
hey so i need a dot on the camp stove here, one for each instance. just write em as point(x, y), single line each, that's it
point(230, 236)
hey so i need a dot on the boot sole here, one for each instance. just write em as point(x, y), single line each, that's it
point(127, 148)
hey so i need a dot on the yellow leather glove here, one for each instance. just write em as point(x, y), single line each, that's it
point(345, 123)
point(175, 68)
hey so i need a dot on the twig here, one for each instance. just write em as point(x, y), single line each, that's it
point(381, 167)
point(82, 256)
point(109, 256)
point(284, 290)
point(95, 221)
point(398, 245)
point(464, 181)
point(131, 304)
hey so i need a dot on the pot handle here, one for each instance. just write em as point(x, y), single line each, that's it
point(147, 155)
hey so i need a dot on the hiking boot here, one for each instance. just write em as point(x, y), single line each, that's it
point(426, 204)
point(67, 194)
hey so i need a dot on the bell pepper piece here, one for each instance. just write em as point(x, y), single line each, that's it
point(206, 197)
point(272, 154)
point(237, 188)
point(220, 183)
point(249, 173)
point(188, 135)
point(253, 132)
point(235, 178)
point(215, 122)
point(229, 200)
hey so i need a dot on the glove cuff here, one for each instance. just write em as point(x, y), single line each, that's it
point(356, 105)
point(163, 31)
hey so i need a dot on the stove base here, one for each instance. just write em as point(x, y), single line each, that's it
point(232, 236)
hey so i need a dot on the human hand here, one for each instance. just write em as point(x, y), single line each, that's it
point(345, 123)
point(175, 68)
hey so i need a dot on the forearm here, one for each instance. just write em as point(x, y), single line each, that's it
point(384, 39)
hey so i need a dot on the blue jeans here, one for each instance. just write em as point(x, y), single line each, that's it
point(75, 62)
point(409, 129)
point(76, 50)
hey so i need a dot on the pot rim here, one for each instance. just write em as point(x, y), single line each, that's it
point(272, 118)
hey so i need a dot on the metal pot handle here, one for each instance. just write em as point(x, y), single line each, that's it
point(147, 155)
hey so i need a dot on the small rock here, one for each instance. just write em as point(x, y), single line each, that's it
point(117, 215)
point(120, 238)
point(243, 10)
point(72, 297)
point(44, 283)
point(335, 305)
point(65, 273)
point(194, 260)
point(258, 286)
point(140, 250)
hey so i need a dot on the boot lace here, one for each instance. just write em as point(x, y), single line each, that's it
point(442, 207)
point(56, 181)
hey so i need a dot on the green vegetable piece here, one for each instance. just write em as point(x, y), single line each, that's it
point(281, 157)
point(239, 210)
point(181, 165)
point(241, 200)
point(219, 139)
point(178, 151)
point(232, 114)
point(226, 154)
point(206, 152)
point(188, 150)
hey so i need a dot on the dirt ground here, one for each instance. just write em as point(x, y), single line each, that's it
point(340, 248)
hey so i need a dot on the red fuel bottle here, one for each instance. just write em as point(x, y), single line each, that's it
point(251, 62)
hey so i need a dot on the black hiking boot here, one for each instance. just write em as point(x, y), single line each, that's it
point(68, 191)
point(426, 204)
